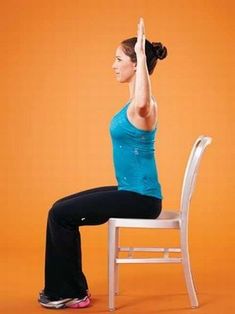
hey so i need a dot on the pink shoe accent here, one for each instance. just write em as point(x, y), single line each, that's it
point(76, 303)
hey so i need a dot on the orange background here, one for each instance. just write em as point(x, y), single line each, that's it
point(58, 95)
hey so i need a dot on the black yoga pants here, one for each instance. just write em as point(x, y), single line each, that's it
point(63, 260)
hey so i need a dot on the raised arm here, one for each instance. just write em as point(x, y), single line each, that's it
point(142, 94)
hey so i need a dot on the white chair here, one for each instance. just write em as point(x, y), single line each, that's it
point(166, 220)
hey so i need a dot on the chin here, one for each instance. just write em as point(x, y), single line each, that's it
point(123, 81)
point(120, 81)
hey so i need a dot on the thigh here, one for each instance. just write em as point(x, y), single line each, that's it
point(98, 207)
point(89, 191)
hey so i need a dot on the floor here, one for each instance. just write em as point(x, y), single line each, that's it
point(143, 289)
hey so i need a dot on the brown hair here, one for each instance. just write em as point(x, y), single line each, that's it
point(153, 51)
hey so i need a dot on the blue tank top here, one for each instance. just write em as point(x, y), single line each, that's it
point(133, 156)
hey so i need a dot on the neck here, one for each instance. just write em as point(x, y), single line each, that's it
point(132, 88)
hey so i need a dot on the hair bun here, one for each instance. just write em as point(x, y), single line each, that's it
point(159, 50)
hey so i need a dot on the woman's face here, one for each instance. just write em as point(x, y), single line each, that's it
point(123, 66)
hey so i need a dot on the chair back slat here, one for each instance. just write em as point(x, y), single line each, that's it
point(191, 172)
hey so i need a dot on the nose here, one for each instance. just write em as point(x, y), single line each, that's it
point(114, 65)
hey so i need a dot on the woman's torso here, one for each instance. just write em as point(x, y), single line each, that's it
point(133, 155)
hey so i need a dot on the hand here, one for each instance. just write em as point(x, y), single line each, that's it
point(140, 44)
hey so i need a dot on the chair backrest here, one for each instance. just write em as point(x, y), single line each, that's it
point(191, 172)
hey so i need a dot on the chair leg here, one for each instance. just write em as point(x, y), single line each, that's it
point(187, 271)
point(116, 266)
point(112, 257)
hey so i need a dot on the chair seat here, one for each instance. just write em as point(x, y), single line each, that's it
point(167, 219)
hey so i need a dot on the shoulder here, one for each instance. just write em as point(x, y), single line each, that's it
point(149, 112)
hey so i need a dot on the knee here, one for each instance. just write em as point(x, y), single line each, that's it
point(56, 213)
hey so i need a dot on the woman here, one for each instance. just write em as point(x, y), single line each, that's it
point(138, 194)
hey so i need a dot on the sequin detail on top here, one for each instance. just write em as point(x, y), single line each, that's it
point(134, 156)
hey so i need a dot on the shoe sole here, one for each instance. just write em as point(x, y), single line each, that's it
point(70, 303)
point(53, 306)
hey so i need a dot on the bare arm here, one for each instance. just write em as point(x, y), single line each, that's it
point(142, 95)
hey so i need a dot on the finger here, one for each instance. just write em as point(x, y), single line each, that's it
point(139, 33)
point(141, 25)
point(138, 29)
point(141, 29)
point(143, 43)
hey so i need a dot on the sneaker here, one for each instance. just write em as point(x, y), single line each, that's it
point(88, 294)
point(63, 303)
point(78, 303)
